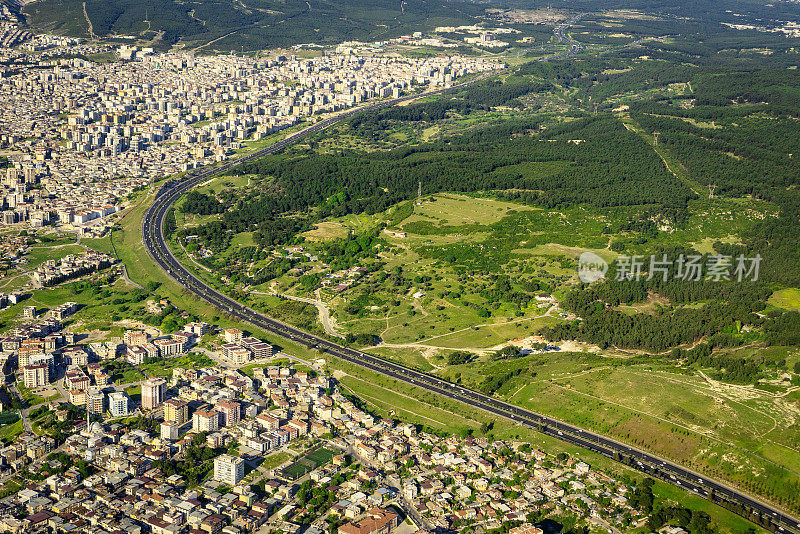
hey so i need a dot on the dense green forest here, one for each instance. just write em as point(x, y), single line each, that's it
point(598, 153)
point(254, 24)
point(483, 95)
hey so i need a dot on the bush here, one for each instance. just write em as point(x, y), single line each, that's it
point(459, 357)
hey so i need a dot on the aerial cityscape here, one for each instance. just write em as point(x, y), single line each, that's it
point(289, 267)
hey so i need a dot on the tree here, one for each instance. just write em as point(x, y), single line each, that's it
point(459, 357)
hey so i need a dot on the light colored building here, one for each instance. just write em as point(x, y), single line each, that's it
point(233, 335)
point(35, 376)
point(135, 354)
point(169, 431)
point(176, 411)
point(169, 347)
point(153, 393)
point(95, 400)
point(228, 469)
point(77, 397)
point(198, 329)
point(134, 337)
point(205, 421)
point(239, 355)
point(118, 404)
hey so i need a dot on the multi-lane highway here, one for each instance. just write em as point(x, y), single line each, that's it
point(574, 46)
point(154, 240)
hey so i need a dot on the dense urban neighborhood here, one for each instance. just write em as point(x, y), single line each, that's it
point(81, 136)
point(246, 445)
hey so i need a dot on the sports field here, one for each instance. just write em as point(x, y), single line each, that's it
point(308, 462)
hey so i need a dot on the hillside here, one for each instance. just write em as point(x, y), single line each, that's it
point(251, 24)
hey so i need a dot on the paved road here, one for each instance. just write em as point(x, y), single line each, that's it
point(574, 46)
point(128, 280)
point(155, 243)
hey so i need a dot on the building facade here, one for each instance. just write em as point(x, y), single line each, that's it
point(36, 376)
point(205, 421)
point(228, 469)
point(153, 393)
point(118, 404)
point(176, 411)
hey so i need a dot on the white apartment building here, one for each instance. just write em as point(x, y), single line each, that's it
point(228, 469)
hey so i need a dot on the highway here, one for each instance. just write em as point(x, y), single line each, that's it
point(154, 240)
point(574, 46)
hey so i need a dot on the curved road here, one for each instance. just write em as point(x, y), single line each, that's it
point(154, 240)
point(574, 46)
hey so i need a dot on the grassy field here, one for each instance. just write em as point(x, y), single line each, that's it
point(410, 357)
point(123, 373)
point(30, 398)
point(102, 244)
point(788, 299)
point(308, 462)
point(448, 235)
point(135, 393)
point(98, 307)
point(274, 460)
point(10, 432)
point(42, 253)
point(165, 367)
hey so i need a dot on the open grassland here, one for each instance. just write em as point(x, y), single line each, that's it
point(42, 253)
point(98, 307)
point(9, 433)
point(274, 460)
point(448, 234)
point(461, 210)
point(788, 299)
point(455, 244)
point(165, 367)
point(410, 357)
point(102, 244)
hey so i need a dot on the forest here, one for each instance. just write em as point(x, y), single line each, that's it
point(252, 24)
point(607, 155)
point(734, 131)
point(481, 96)
point(201, 204)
